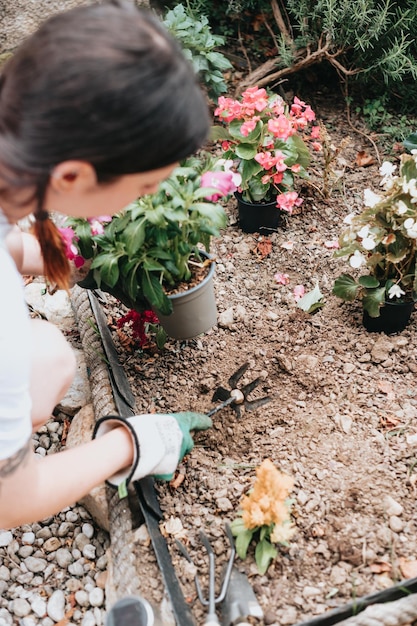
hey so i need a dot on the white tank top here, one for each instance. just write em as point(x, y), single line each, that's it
point(15, 354)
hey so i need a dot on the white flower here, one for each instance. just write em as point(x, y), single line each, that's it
point(410, 187)
point(369, 243)
point(363, 232)
point(348, 219)
point(387, 168)
point(409, 223)
point(357, 259)
point(395, 292)
point(401, 207)
point(371, 198)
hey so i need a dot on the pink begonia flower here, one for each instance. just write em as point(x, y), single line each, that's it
point(96, 224)
point(315, 132)
point(228, 109)
point(71, 250)
point(298, 292)
point(281, 127)
point(254, 99)
point(222, 181)
point(316, 146)
point(282, 279)
point(296, 168)
point(248, 126)
point(287, 201)
point(332, 244)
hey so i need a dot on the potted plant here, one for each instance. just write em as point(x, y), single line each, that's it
point(267, 139)
point(382, 240)
point(155, 253)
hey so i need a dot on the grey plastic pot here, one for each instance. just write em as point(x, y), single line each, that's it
point(194, 311)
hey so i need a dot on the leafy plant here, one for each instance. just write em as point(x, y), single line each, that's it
point(383, 239)
point(199, 46)
point(266, 139)
point(265, 516)
point(152, 245)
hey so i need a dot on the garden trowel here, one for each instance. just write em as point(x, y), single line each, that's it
point(240, 602)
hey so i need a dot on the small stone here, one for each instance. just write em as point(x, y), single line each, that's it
point(392, 507)
point(224, 504)
point(52, 544)
point(396, 524)
point(35, 564)
point(63, 557)
point(76, 569)
point(311, 592)
point(88, 530)
point(56, 606)
point(38, 606)
point(89, 619)
point(81, 597)
point(89, 552)
point(6, 538)
point(96, 596)
point(21, 607)
point(28, 538)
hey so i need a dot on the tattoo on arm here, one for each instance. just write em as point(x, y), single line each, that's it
point(15, 461)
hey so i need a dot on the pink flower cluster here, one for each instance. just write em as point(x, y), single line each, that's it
point(278, 122)
point(70, 238)
point(224, 182)
point(71, 250)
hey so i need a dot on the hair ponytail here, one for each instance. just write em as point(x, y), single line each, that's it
point(57, 267)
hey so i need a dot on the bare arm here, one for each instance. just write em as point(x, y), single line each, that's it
point(32, 489)
point(25, 250)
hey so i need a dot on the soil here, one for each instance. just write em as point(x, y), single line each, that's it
point(342, 415)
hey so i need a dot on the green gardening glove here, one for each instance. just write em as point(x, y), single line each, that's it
point(187, 421)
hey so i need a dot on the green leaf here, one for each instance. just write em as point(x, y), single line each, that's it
point(109, 269)
point(311, 301)
point(219, 133)
point(155, 295)
point(345, 287)
point(373, 300)
point(264, 553)
point(135, 237)
point(411, 142)
point(368, 282)
point(243, 540)
point(246, 151)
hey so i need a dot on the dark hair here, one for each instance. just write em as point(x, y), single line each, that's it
point(103, 83)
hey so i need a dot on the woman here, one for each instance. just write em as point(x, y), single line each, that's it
point(96, 109)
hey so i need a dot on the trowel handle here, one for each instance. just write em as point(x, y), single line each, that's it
point(211, 620)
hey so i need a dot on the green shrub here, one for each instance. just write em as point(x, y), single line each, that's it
point(199, 45)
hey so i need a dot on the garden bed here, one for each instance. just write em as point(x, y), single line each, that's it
point(342, 419)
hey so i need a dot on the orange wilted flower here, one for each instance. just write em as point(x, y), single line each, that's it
point(265, 515)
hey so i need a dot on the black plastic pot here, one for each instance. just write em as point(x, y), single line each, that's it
point(400, 590)
point(393, 318)
point(258, 217)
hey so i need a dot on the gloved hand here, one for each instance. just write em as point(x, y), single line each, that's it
point(160, 442)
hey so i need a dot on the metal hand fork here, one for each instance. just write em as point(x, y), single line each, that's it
point(212, 600)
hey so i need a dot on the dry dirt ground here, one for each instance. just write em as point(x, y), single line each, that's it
point(342, 419)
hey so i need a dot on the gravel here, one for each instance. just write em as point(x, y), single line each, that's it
point(54, 570)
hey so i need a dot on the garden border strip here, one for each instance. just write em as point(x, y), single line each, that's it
point(351, 613)
point(121, 400)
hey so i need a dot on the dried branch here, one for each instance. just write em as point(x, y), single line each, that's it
point(280, 21)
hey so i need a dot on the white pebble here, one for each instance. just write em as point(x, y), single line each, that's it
point(96, 597)
point(6, 538)
point(88, 530)
point(28, 538)
point(56, 606)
